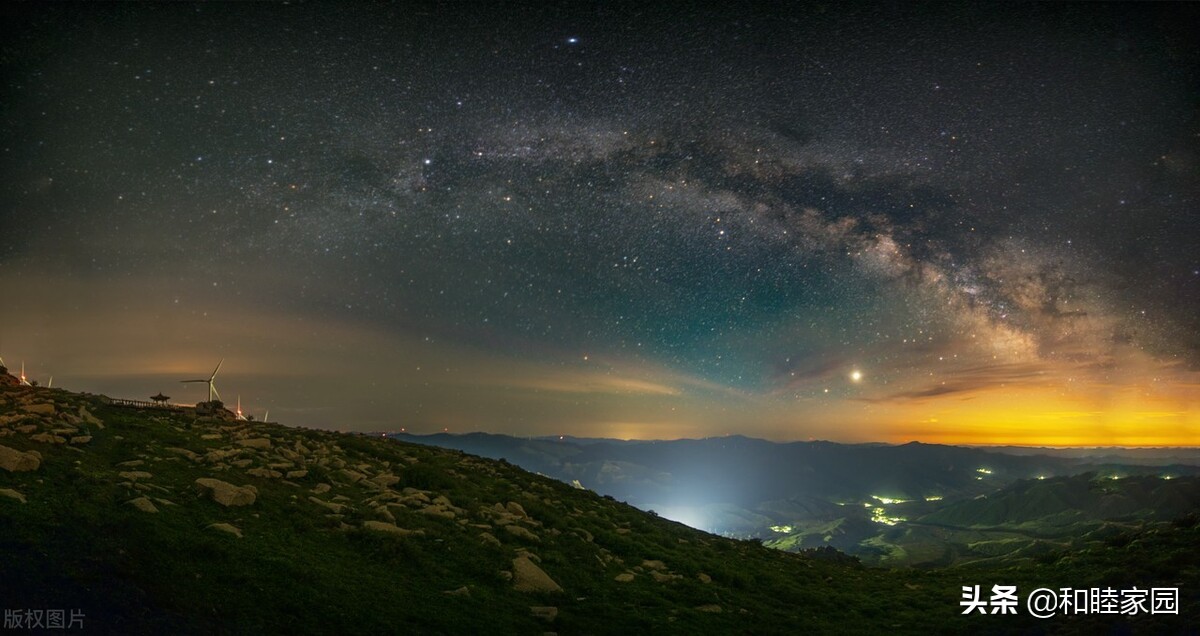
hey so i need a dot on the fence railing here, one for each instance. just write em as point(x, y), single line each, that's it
point(143, 404)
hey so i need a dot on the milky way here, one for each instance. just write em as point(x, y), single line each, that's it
point(947, 223)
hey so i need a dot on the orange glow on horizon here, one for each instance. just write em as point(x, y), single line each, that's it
point(1034, 416)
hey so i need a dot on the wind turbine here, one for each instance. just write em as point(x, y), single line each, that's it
point(50, 384)
point(212, 389)
point(238, 412)
point(265, 414)
point(23, 380)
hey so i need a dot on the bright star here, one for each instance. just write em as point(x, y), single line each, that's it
point(856, 376)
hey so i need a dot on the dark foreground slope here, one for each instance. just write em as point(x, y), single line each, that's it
point(158, 522)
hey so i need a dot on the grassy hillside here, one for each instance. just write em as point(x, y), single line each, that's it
point(161, 522)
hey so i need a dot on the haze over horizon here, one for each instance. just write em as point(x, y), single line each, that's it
point(951, 224)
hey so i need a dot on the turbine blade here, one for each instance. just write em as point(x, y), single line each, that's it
point(214, 375)
point(216, 393)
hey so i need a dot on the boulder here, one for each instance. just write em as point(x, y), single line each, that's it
point(462, 591)
point(415, 497)
point(40, 409)
point(215, 456)
point(522, 533)
point(624, 577)
point(144, 504)
point(515, 509)
point(335, 508)
point(226, 493)
point(297, 474)
point(16, 461)
point(12, 494)
point(265, 473)
point(48, 438)
point(322, 488)
point(704, 578)
point(81, 439)
point(255, 442)
point(386, 480)
point(184, 452)
point(87, 416)
point(528, 577)
point(225, 527)
point(489, 538)
point(134, 475)
point(383, 526)
point(547, 614)
point(711, 609)
point(352, 476)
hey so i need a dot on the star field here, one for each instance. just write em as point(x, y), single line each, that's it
point(946, 223)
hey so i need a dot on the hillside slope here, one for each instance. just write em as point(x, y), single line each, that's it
point(162, 522)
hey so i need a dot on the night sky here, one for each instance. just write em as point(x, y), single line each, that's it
point(857, 222)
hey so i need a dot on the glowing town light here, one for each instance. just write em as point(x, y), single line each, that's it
point(985, 471)
point(879, 516)
point(782, 529)
point(933, 498)
point(889, 500)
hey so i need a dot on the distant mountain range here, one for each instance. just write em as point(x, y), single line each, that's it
point(745, 471)
point(872, 500)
